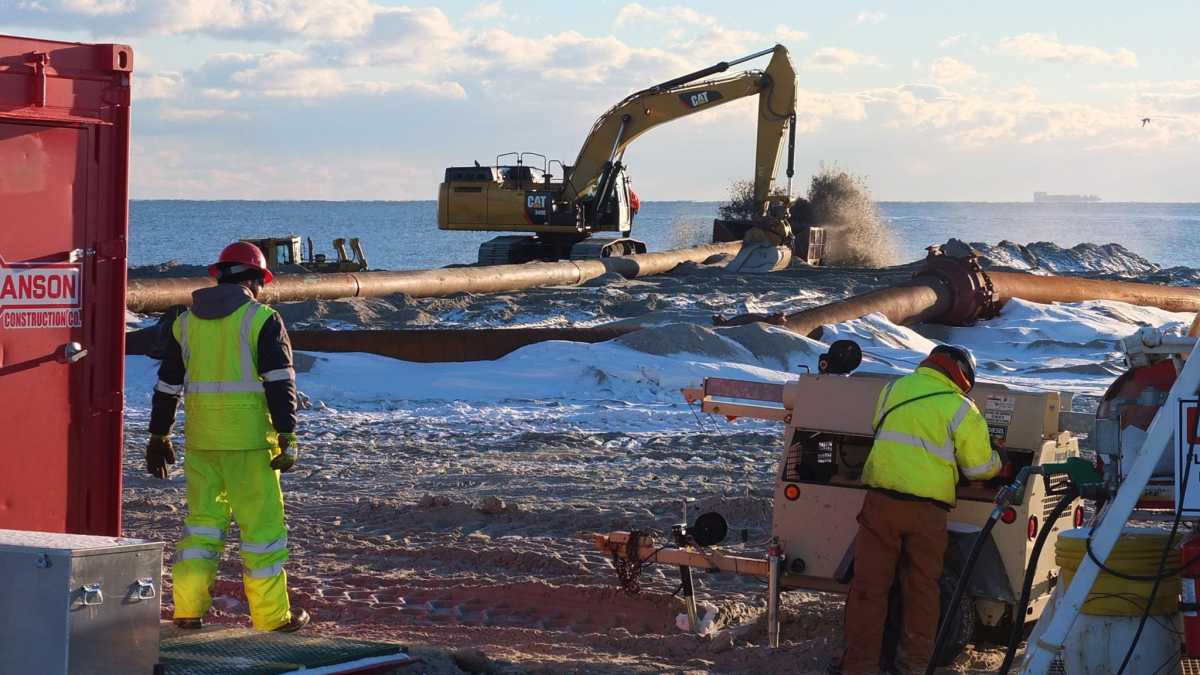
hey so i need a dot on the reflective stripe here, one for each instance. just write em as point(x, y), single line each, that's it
point(982, 469)
point(277, 545)
point(887, 391)
point(223, 387)
point(945, 451)
point(169, 389)
point(279, 374)
point(960, 416)
point(265, 572)
point(250, 381)
point(197, 554)
point(201, 531)
point(183, 342)
point(248, 374)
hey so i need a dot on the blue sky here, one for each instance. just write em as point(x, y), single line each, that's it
point(372, 99)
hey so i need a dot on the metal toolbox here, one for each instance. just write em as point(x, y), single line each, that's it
point(73, 603)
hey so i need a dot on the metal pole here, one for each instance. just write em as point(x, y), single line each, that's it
point(689, 597)
point(774, 558)
point(755, 55)
point(1042, 652)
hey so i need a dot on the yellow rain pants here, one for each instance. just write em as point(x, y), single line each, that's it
point(241, 484)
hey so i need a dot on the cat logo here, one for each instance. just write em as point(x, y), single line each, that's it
point(700, 98)
point(536, 201)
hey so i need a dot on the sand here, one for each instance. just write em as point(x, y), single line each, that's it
point(461, 523)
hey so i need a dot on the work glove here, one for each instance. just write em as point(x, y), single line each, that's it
point(159, 454)
point(289, 452)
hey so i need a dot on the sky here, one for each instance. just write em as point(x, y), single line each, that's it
point(372, 99)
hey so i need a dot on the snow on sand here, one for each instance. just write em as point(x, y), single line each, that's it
point(449, 503)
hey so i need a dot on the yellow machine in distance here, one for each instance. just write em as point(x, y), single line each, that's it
point(594, 194)
point(285, 252)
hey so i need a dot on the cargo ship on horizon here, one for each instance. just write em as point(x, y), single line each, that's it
point(1046, 198)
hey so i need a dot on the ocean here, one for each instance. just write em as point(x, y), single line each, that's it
point(404, 235)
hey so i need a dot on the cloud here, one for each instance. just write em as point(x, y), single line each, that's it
point(486, 11)
point(149, 86)
point(951, 40)
point(870, 16)
point(1046, 47)
point(251, 19)
point(634, 14)
point(290, 74)
point(172, 114)
point(422, 38)
point(945, 70)
point(785, 34)
point(837, 59)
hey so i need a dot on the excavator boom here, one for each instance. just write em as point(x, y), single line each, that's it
point(594, 194)
point(683, 96)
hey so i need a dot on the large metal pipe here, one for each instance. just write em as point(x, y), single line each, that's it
point(956, 291)
point(439, 346)
point(156, 295)
point(1048, 289)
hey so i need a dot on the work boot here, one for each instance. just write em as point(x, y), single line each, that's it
point(189, 624)
point(299, 620)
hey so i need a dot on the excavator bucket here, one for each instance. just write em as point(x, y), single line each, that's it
point(760, 258)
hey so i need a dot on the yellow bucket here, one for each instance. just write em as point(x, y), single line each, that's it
point(1138, 552)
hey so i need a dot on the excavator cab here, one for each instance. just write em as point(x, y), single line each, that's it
point(279, 251)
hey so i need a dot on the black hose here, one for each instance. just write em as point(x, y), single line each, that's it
point(963, 581)
point(1018, 617)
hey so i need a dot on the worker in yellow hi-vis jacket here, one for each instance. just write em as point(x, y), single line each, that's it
point(231, 360)
point(927, 431)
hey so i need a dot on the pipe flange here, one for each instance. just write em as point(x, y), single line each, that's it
point(972, 295)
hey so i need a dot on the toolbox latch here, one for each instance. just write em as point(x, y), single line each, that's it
point(92, 595)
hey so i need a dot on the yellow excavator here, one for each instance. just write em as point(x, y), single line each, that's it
point(594, 195)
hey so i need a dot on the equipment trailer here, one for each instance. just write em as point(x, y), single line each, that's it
point(827, 437)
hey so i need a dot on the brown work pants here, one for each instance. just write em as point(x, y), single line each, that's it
point(894, 535)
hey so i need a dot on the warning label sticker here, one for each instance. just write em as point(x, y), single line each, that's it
point(40, 295)
point(998, 411)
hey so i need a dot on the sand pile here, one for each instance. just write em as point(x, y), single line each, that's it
point(1045, 256)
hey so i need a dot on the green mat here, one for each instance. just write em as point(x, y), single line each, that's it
point(219, 650)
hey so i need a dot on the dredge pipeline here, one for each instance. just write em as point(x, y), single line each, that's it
point(446, 345)
point(157, 295)
point(958, 292)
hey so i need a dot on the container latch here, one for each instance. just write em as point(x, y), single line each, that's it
point(92, 595)
point(145, 588)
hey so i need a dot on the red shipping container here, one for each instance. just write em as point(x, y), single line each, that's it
point(64, 154)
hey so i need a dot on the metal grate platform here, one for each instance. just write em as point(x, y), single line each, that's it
point(217, 650)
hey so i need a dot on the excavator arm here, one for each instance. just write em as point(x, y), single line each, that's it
point(639, 112)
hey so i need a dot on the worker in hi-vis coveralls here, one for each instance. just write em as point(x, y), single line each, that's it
point(231, 360)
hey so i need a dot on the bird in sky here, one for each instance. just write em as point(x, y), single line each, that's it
point(1145, 121)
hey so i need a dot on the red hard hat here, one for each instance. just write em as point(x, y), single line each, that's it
point(242, 253)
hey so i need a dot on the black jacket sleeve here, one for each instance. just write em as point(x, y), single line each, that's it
point(279, 377)
point(169, 387)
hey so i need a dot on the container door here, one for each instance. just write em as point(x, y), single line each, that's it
point(44, 192)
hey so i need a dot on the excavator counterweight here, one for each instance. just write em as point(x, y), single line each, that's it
point(593, 194)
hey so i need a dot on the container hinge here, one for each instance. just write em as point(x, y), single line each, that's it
point(39, 60)
point(111, 249)
point(114, 402)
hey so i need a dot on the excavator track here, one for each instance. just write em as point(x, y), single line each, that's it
point(508, 250)
point(597, 247)
point(518, 249)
